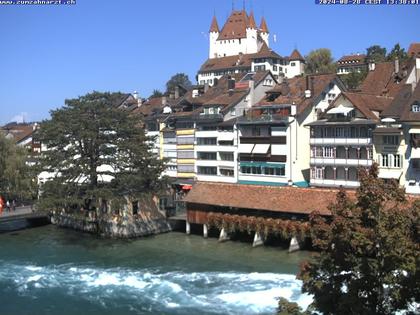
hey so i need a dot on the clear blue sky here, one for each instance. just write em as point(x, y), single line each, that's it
point(50, 53)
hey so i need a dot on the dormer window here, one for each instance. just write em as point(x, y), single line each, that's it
point(415, 108)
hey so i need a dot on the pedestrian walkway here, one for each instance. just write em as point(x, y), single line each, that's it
point(18, 211)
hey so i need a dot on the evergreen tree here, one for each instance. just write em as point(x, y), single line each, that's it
point(17, 178)
point(353, 80)
point(376, 54)
point(397, 52)
point(156, 93)
point(177, 79)
point(369, 260)
point(320, 61)
point(96, 151)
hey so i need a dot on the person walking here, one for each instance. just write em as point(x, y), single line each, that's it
point(1, 205)
point(7, 206)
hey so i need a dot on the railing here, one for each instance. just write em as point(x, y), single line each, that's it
point(334, 183)
point(341, 161)
point(363, 141)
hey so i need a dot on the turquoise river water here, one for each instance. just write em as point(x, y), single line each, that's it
point(48, 270)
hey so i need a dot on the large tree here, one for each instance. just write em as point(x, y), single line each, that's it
point(17, 180)
point(177, 79)
point(397, 52)
point(320, 61)
point(376, 53)
point(369, 260)
point(95, 151)
point(353, 79)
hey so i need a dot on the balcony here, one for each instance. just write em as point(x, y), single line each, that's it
point(263, 140)
point(334, 183)
point(341, 141)
point(341, 162)
point(263, 119)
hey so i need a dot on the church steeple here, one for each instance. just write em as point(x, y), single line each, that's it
point(263, 26)
point(214, 27)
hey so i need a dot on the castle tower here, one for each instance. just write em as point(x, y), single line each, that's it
point(251, 35)
point(264, 32)
point(213, 35)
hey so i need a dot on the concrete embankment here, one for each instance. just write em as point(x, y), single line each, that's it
point(22, 218)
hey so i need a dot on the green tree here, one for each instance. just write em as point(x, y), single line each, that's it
point(397, 52)
point(96, 151)
point(353, 80)
point(320, 61)
point(156, 93)
point(376, 53)
point(290, 308)
point(17, 179)
point(369, 260)
point(177, 79)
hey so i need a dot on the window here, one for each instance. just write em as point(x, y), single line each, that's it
point(415, 108)
point(182, 154)
point(207, 170)
point(227, 172)
point(207, 155)
point(185, 140)
point(226, 156)
point(206, 141)
point(274, 171)
point(171, 168)
point(390, 140)
point(317, 173)
point(268, 82)
point(328, 152)
point(384, 160)
point(397, 161)
point(292, 64)
point(274, 68)
point(185, 168)
point(233, 112)
point(340, 132)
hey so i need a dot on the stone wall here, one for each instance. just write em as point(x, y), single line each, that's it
point(112, 227)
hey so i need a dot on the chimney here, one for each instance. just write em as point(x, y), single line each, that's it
point(372, 65)
point(163, 100)
point(308, 93)
point(251, 93)
point(136, 95)
point(206, 87)
point(176, 92)
point(397, 65)
point(312, 86)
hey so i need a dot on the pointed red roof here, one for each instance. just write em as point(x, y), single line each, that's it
point(214, 27)
point(296, 55)
point(235, 26)
point(251, 21)
point(263, 26)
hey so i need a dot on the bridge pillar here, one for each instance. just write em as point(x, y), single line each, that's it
point(187, 227)
point(258, 239)
point(294, 245)
point(205, 230)
point(223, 236)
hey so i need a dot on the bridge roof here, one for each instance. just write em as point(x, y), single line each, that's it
point(264, 198)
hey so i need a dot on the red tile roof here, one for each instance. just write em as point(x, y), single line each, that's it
point(414, 49)
point(296, 55)
point(19, 132)
point(367, 103)
point(263, 26)
point(268, 198)
point(235, 26)
point(251, 21)
point(381, 81)
point(351, 60)
point(214, 27)
point(407, 113)
point(293, 91)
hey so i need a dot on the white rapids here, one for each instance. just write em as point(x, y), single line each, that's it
point(216, 292)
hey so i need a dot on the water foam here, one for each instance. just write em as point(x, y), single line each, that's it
point(217, 292)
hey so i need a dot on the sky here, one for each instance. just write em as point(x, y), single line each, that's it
point(52, 53)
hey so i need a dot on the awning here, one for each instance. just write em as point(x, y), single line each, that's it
point(277, 149)
point(389, 174)
point(262, 164)
point(261, 149)
point(246, 148)
point(340, 109)
point(225, 136)
point(415, 153)
point(414, 130)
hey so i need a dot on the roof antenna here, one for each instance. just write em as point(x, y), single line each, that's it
point(233, 5)
point(244, 5)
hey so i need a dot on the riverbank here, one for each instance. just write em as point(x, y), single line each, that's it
point(49, 270)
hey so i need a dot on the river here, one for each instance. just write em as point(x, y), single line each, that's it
point(49, 270)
